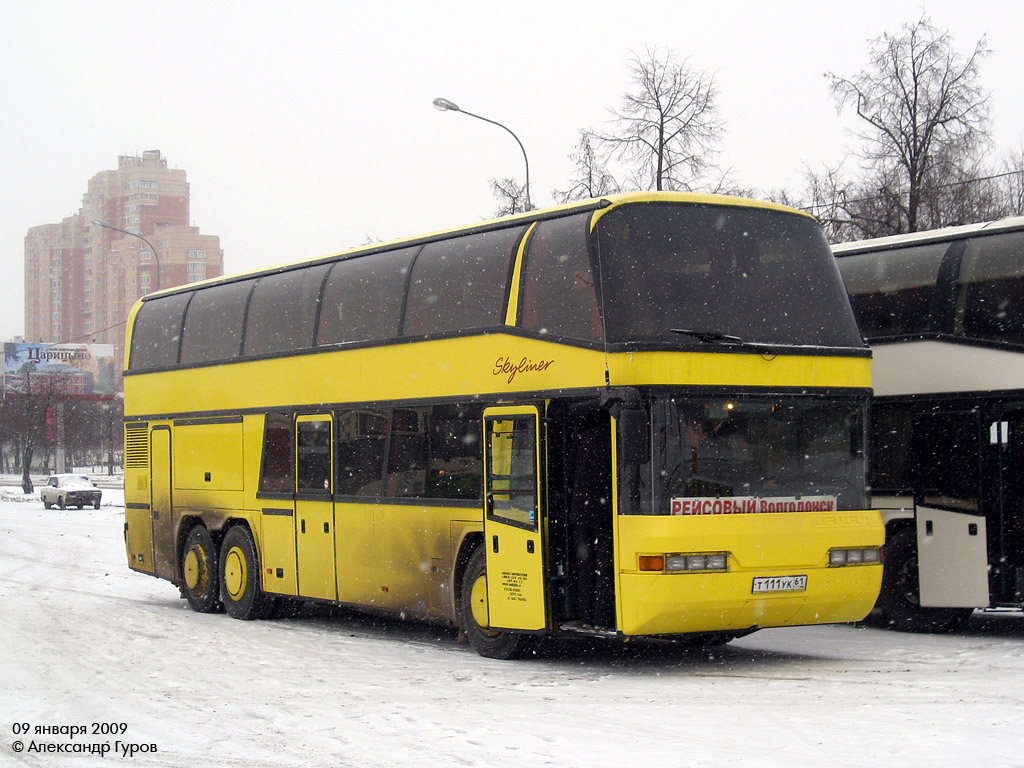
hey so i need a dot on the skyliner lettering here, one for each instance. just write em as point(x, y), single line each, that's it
point(505, 365)
point(747, 505)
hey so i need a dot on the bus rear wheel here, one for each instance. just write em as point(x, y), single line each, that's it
point(490, 643)
point(199, 571)
point(899, 603)
point(240, 589)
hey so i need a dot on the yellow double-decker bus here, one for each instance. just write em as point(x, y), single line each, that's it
point(635, 416)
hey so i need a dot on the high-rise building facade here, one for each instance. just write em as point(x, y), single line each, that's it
point(81, 279)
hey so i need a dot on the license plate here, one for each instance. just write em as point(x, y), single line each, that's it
point(780, 584)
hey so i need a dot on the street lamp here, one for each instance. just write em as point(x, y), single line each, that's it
point(156, 256)
point(444, 105)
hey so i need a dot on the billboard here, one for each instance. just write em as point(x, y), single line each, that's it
point(69, 369)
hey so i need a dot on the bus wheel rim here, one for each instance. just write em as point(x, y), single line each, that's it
point(235, 574)
point(193, 568)
point(478, 605)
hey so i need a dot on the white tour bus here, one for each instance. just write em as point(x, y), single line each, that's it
point(944, 314)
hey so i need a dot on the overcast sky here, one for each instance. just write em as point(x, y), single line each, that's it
point(307, 128)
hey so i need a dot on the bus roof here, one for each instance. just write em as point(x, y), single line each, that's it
point(606, 202)
point(1010, 223)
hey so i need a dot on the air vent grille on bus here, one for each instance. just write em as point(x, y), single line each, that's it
point(136, 448)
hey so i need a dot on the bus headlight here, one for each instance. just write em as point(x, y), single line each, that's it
point(689, 562)
point(855, 556)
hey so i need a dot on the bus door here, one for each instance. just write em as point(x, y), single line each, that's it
point(160, 506)
point(514, 535)
point(953, 561)
point(1008, 435)
point(314, 507)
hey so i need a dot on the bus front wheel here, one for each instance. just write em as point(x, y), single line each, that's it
point(490, 643)
point(899, 603)
point(240, 589)
point(199, 571)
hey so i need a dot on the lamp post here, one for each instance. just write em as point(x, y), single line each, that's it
point(444, 105)
point(156, 256)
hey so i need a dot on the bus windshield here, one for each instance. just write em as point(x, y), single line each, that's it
point(718, 273)
point(750, 454)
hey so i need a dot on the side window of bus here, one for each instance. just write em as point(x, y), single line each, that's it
point(455, 468)
point(892, 292)
point(435, 453)
point(213, 323)
point(891, 467)
point(277, 467)
point(363, 298)
point(943, 447)
point(990, 294)
point(282, 311)
point(408, 456)
point(461, 283)
point(313, 458)
point(157, 332)
point(362, 435)
point(558, 284)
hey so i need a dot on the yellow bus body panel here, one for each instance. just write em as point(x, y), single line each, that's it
point(465, 366)
point(277, 542)
point(208, 457)
point(138, 539)
point(717, 369)
point(486, 365)
point(767, 544)
point(398, 556)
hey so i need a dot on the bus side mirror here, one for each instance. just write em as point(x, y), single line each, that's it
point(634, 436)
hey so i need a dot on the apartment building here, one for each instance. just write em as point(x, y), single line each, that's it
point(81, 278)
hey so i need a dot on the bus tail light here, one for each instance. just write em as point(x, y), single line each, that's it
point(855, 556)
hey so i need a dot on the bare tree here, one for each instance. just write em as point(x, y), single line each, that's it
point(666, 130)
point(511, 196)
point(32, 418)
point(591, 177)
point(851, 208)
point(925, 121)
point(1012, 182)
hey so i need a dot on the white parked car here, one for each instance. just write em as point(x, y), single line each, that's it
point(70, 491)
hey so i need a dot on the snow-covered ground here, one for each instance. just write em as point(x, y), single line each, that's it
point(85, 641)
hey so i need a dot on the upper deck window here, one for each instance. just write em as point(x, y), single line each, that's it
point(990, 295)
point(461, 283)
point(363, 298)
point(157, 332)
point(761, 275)
point(213, 323)
point(893, 292)
point(282, 311)
point(559, 297)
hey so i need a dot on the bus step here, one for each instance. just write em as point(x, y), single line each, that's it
point(578, 627)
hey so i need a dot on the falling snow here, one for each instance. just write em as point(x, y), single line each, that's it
point(87, 641)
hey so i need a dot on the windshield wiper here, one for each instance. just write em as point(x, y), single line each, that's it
point(709, 337)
